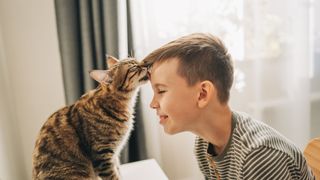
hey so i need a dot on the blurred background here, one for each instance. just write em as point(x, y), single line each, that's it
point(46, 48)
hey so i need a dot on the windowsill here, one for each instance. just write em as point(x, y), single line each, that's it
point(142, 170)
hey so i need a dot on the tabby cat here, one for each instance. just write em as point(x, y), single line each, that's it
point(83, 141)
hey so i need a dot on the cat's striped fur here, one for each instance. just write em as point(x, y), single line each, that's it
point(83, 140)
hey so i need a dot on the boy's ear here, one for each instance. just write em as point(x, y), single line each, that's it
point(110, 60)
point(101, 76)
point(207, 90)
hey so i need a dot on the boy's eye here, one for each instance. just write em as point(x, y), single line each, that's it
point(161, 91)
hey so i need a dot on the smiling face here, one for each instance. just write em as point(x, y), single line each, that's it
point(174, 100)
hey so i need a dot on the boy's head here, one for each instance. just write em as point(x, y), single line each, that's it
point(201, 57)
point(191, 78)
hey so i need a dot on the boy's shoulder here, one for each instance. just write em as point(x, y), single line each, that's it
point(254, 134)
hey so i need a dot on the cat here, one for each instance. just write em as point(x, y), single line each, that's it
point(83, 141)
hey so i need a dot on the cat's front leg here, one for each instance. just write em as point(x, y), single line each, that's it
point(112, 175)
point(107, 168)
point(117, 167)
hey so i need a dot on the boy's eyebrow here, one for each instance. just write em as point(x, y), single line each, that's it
point(159, 84)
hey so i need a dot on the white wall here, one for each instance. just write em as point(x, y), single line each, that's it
point(31, 71)
point(9, 140)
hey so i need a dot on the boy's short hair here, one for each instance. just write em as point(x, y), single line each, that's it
point(201, 57)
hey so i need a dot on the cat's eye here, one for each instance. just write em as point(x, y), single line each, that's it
point(133, 68)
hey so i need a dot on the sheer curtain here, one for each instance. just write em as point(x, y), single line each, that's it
point(275, 46)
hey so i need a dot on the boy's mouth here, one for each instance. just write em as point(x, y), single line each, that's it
point(163, 118)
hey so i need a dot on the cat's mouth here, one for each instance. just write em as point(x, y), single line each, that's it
point(144, 78)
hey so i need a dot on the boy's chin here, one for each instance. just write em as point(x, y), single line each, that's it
point(172, 131)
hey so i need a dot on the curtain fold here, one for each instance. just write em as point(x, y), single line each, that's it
point(67, 17)
point(135, 149)
point(87, 31)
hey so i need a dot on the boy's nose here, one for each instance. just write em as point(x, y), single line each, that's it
point(154, 104)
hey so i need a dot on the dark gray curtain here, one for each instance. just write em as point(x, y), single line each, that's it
point(87, 30)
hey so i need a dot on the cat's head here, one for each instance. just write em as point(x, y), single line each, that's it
point(125, 75)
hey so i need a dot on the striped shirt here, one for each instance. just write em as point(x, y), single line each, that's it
point(254, 151)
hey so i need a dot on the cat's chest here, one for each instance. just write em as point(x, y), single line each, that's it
point(126, 135)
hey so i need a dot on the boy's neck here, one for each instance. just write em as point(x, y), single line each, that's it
point(216, 126)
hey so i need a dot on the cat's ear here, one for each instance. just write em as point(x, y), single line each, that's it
point(111, 60)
point(101, 76)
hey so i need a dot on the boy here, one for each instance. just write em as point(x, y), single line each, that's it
point(191, 78)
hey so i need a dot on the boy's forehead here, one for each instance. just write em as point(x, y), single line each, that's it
point(163, 68)
point(163, 71)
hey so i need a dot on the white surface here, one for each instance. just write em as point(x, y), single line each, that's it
point(142, 170)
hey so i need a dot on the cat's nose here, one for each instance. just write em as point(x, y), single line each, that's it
point(145, 64)
point(149, 74)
